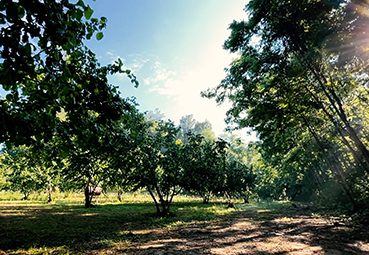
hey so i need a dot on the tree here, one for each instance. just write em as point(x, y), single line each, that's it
point(159, 168)
point(150, 159)
point(204, 166)
point(239, 180)
point(155, 115)
point(89, 153)
point(289, 82)
point(4, 172)
point(25, 172)
point(188, 125)
point(46, 69)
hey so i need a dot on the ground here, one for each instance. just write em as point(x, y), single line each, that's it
point(286, 231)
point(131, 227)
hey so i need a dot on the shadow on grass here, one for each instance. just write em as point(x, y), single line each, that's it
point(282, 230)
point(77, 228)
point(194, 228)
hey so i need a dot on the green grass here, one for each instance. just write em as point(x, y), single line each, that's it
point(66, 227)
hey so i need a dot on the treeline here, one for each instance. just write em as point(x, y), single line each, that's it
point(301, 81)
point(63, 125)
point(142, 152)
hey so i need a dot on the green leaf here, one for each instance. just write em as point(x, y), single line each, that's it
point(88, 12)
point(77, 14)
point(9, 97)
point(99, 36)
point(136, 83)
point(21, 12)
point(103, 20)
point(28, 50)
point(81, 3)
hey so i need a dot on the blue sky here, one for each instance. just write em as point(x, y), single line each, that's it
point(175, 50)
point(174, 47)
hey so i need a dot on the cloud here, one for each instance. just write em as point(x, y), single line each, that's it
point(159, 73)
point(134, 62)
point(184, 89)
point(147, 81)
point(181, 85)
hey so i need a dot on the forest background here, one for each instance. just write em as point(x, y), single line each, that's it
point(299, 80)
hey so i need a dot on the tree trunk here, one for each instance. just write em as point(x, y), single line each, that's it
point(25, 196)
point(165, 209)
point(88, 198)
point(205, 199)
point(120, 195)
point(158, 212)
point(338, 109)
point(335, 167)
point(364, 166)
point(49, 190)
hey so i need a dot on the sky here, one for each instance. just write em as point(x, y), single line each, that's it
point(175, 49)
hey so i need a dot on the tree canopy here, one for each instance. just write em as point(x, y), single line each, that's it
point(298, 73)
point(45, 69)
point(299, 80)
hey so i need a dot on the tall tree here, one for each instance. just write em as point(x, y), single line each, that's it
point(186, 124)
point(284, 78)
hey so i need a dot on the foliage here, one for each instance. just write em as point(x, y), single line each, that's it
point(150, 158)
point(24, 171)
point(189, 126)
point(46, 69)
point(57, 91)
point(296, 90)
point(204, 166)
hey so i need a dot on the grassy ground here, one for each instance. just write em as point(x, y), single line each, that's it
point(131, 227)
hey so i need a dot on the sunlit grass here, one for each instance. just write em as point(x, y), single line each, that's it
point(66, 227)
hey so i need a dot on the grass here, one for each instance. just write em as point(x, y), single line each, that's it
point(132, 227)
point(66, 227)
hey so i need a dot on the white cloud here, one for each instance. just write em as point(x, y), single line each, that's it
point(134, 62)
point(204, 70)
point(184, 90)
point(147, 81)
point(137, 63)
point(160, 73)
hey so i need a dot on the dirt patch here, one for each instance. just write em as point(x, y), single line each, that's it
point(284, 231)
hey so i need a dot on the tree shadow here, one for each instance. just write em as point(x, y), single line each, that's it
point(77, 228)
point(134, 229)
point(281, 231)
